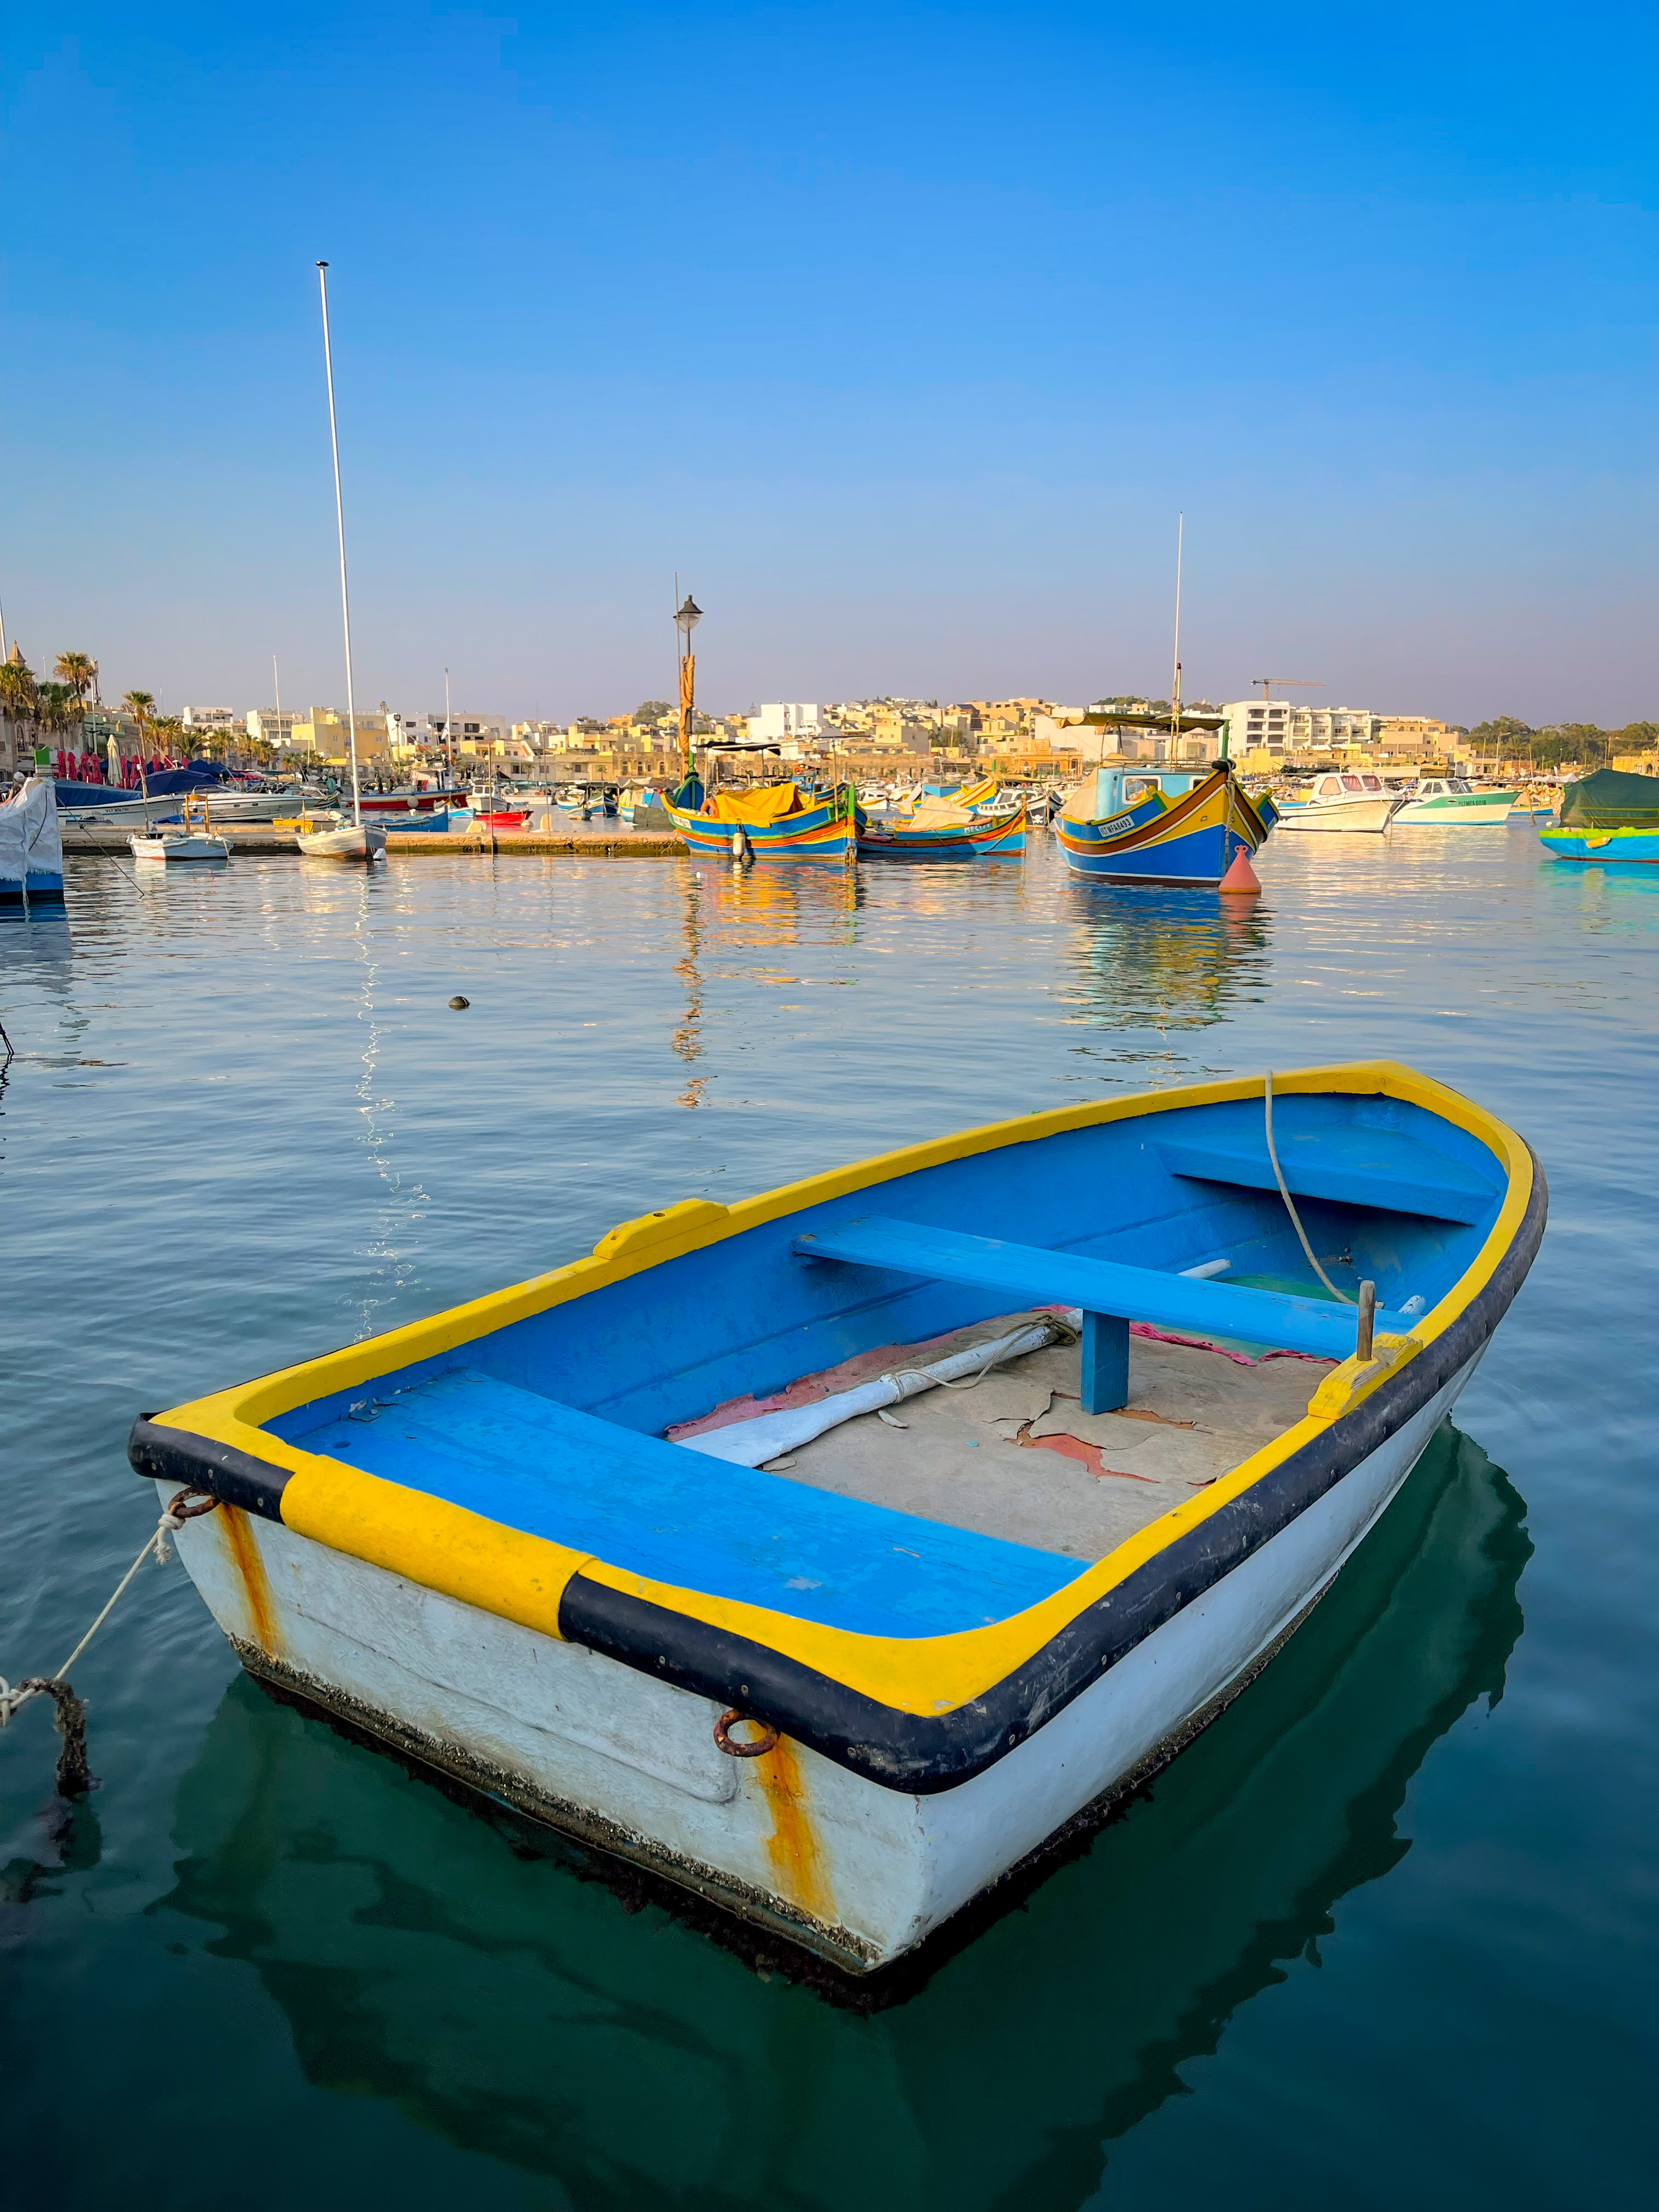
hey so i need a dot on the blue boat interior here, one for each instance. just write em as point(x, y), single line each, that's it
point(554, 1424)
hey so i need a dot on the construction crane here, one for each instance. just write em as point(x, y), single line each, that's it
point(1296, 683)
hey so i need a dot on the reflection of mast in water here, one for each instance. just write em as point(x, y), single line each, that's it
point(687, 1039)
point(489, 1987)
point(395, 1265)
point(1143, 958)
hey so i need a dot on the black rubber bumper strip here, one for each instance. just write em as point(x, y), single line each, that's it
point(923, 1754)
point(197, 1463)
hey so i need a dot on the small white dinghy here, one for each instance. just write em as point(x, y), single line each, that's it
point(180, 845)
point(352, 841)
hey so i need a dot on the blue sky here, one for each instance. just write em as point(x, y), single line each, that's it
point(902, 334)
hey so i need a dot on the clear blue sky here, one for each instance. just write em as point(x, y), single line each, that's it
point(901, 333)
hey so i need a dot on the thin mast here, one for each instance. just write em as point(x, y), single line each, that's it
point(1175, 705)
point(449, 731)
point(339, 518)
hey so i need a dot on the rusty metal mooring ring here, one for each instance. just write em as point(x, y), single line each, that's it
point(183, 1512)
point(764, 1741)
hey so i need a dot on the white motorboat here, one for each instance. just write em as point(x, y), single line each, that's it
point(171, 845)
point(1342, 801)
point(1447, 802)
point(352, 841)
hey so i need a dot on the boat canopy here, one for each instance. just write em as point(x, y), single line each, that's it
point(768, 803)
point(1612, 799)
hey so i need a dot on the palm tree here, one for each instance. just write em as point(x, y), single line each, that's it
point(141, 705)
point(79, 671)
point(17, 696)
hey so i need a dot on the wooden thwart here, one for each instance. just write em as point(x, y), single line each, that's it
point(1110, 1293)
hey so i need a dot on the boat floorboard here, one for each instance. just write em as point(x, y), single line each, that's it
point(1015, 1457)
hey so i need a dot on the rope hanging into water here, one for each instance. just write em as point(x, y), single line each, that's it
point(1289, 1206)
point(74, 1776)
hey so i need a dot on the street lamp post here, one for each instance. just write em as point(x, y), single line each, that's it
point(686, 618)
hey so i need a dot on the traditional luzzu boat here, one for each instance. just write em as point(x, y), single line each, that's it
point(968, 825)
point(770, 822)
point(1159, 826)
point(639, 1547)
point(1611, 817)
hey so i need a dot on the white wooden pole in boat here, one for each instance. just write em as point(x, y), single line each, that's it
point(449, 730)
point(339, 518)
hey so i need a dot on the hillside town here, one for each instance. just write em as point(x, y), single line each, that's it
point(1027, 739)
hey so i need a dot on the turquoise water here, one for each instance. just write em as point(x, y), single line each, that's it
point(1385, 1934)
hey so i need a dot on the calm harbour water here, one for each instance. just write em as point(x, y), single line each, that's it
point(1385, 1934)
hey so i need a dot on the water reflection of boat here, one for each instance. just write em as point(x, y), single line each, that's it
point(482, 1979)
point(1160, 958)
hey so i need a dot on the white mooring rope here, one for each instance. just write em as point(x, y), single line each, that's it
point(1290, 1207)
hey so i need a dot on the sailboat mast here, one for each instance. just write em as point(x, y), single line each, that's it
point(1175, 688)
point(339, 518)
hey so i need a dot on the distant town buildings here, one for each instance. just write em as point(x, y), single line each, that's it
point(881, 737)
point(777, 724)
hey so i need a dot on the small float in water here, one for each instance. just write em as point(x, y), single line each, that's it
point(829, 1553)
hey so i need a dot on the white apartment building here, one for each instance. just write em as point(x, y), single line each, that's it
point(267, 727)
point(219, 721)
point(1278, 726)
point(775, 723)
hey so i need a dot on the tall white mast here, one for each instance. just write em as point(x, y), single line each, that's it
point(1175, 688)
point(339, 518)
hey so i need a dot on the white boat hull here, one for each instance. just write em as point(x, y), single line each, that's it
point(193, 845)
point(1457, 814)
point(1340, 814)
point(355, 841)
point(859, 1873)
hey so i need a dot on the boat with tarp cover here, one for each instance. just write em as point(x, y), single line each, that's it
point(1611, 816)
point(640, 1548)
point(974, 823)
point(766, 821)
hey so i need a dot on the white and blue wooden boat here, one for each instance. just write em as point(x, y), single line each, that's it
point(534, 1542)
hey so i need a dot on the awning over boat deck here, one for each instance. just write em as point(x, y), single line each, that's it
point(672, 1515)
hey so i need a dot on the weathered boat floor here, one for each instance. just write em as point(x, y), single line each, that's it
point(977, 1458)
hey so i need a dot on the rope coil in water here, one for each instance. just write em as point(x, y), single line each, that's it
point(74, 1777)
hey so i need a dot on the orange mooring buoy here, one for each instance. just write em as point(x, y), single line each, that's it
point(1241, 879)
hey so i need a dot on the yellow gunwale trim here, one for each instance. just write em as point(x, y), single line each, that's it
point(510, 1573)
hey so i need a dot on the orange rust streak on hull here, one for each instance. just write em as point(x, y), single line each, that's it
point(251, 1572)
point(797, 1867)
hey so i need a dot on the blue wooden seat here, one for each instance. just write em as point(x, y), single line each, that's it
point(675, 1516)
point(1381, 1168)
point(1110, 1293)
